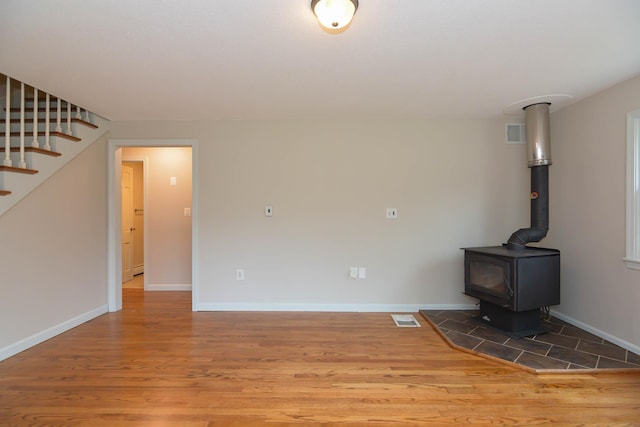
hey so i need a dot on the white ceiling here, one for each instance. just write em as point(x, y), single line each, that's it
point(269, 59)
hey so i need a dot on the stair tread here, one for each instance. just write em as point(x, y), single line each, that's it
point(73, 120)
point(18, 170)
point(52, 133)
point(34, 150)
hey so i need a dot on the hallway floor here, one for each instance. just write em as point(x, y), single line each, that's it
point(136, 283)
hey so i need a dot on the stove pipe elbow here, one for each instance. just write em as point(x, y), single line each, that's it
point(520, 238)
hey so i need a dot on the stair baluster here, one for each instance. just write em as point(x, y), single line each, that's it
point(47, 108)
point(69, 132)
point(35, 143)
point(58, 115)
point(22, 164)
point(7, 126)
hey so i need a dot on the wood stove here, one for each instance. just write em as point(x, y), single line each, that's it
point(512, 285)
point(514, 281)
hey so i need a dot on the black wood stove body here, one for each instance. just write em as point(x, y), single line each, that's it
point(512, 285)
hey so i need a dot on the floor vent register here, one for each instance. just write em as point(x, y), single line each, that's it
point(405, 321)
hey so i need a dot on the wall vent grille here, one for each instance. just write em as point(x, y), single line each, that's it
point(515, 133)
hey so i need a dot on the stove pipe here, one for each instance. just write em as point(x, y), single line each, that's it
point(539, 159)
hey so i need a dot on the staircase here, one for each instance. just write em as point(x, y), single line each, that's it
point(39, 134)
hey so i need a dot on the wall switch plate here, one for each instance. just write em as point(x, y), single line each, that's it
point(239, 274)
point(173, 180)
point(362, 273)
point(392, 213)
point(353, 272)
point(187, 211)
point(268, 210)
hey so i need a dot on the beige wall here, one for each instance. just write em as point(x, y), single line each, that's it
point(455, 184)
point(53, 251)
point(169, 231)
point(588, 211)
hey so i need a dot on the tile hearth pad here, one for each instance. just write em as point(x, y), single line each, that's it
point(564, 347)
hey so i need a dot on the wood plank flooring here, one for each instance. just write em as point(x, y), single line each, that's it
point(157, 363)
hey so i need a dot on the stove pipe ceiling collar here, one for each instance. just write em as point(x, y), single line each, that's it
point(538, 139)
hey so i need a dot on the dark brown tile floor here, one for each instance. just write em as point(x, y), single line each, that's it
point(564, 347)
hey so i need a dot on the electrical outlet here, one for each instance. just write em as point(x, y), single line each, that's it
point(239, 274)
point(357, 272)
point(392, 213)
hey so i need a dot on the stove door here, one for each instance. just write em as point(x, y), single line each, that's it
point(488, 278)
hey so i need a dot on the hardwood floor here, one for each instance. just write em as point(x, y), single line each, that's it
point(157, 363)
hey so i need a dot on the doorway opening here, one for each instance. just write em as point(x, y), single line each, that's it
point(163, 227)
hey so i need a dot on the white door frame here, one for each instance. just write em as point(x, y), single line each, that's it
point(114, 194)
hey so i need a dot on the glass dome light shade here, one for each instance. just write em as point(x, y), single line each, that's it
point(334, 14)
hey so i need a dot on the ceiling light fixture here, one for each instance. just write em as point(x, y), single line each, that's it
point(334, 14)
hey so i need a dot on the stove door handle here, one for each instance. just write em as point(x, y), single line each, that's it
point(508, 284)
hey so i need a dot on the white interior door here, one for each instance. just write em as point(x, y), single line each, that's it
point(127, 223)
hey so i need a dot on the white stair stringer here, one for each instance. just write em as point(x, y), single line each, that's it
point(21, 184)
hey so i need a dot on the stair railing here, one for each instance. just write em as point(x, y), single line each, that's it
point(52, 116)
point(25, 136)
point(35, 147)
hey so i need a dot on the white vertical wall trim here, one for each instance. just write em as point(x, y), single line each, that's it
point(195, 218)
point(114, 225)
point(632, 258)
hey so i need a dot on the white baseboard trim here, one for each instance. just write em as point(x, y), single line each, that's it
point(595, 331)
point(168, 287)
point(359, 308)
point(24, 344)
